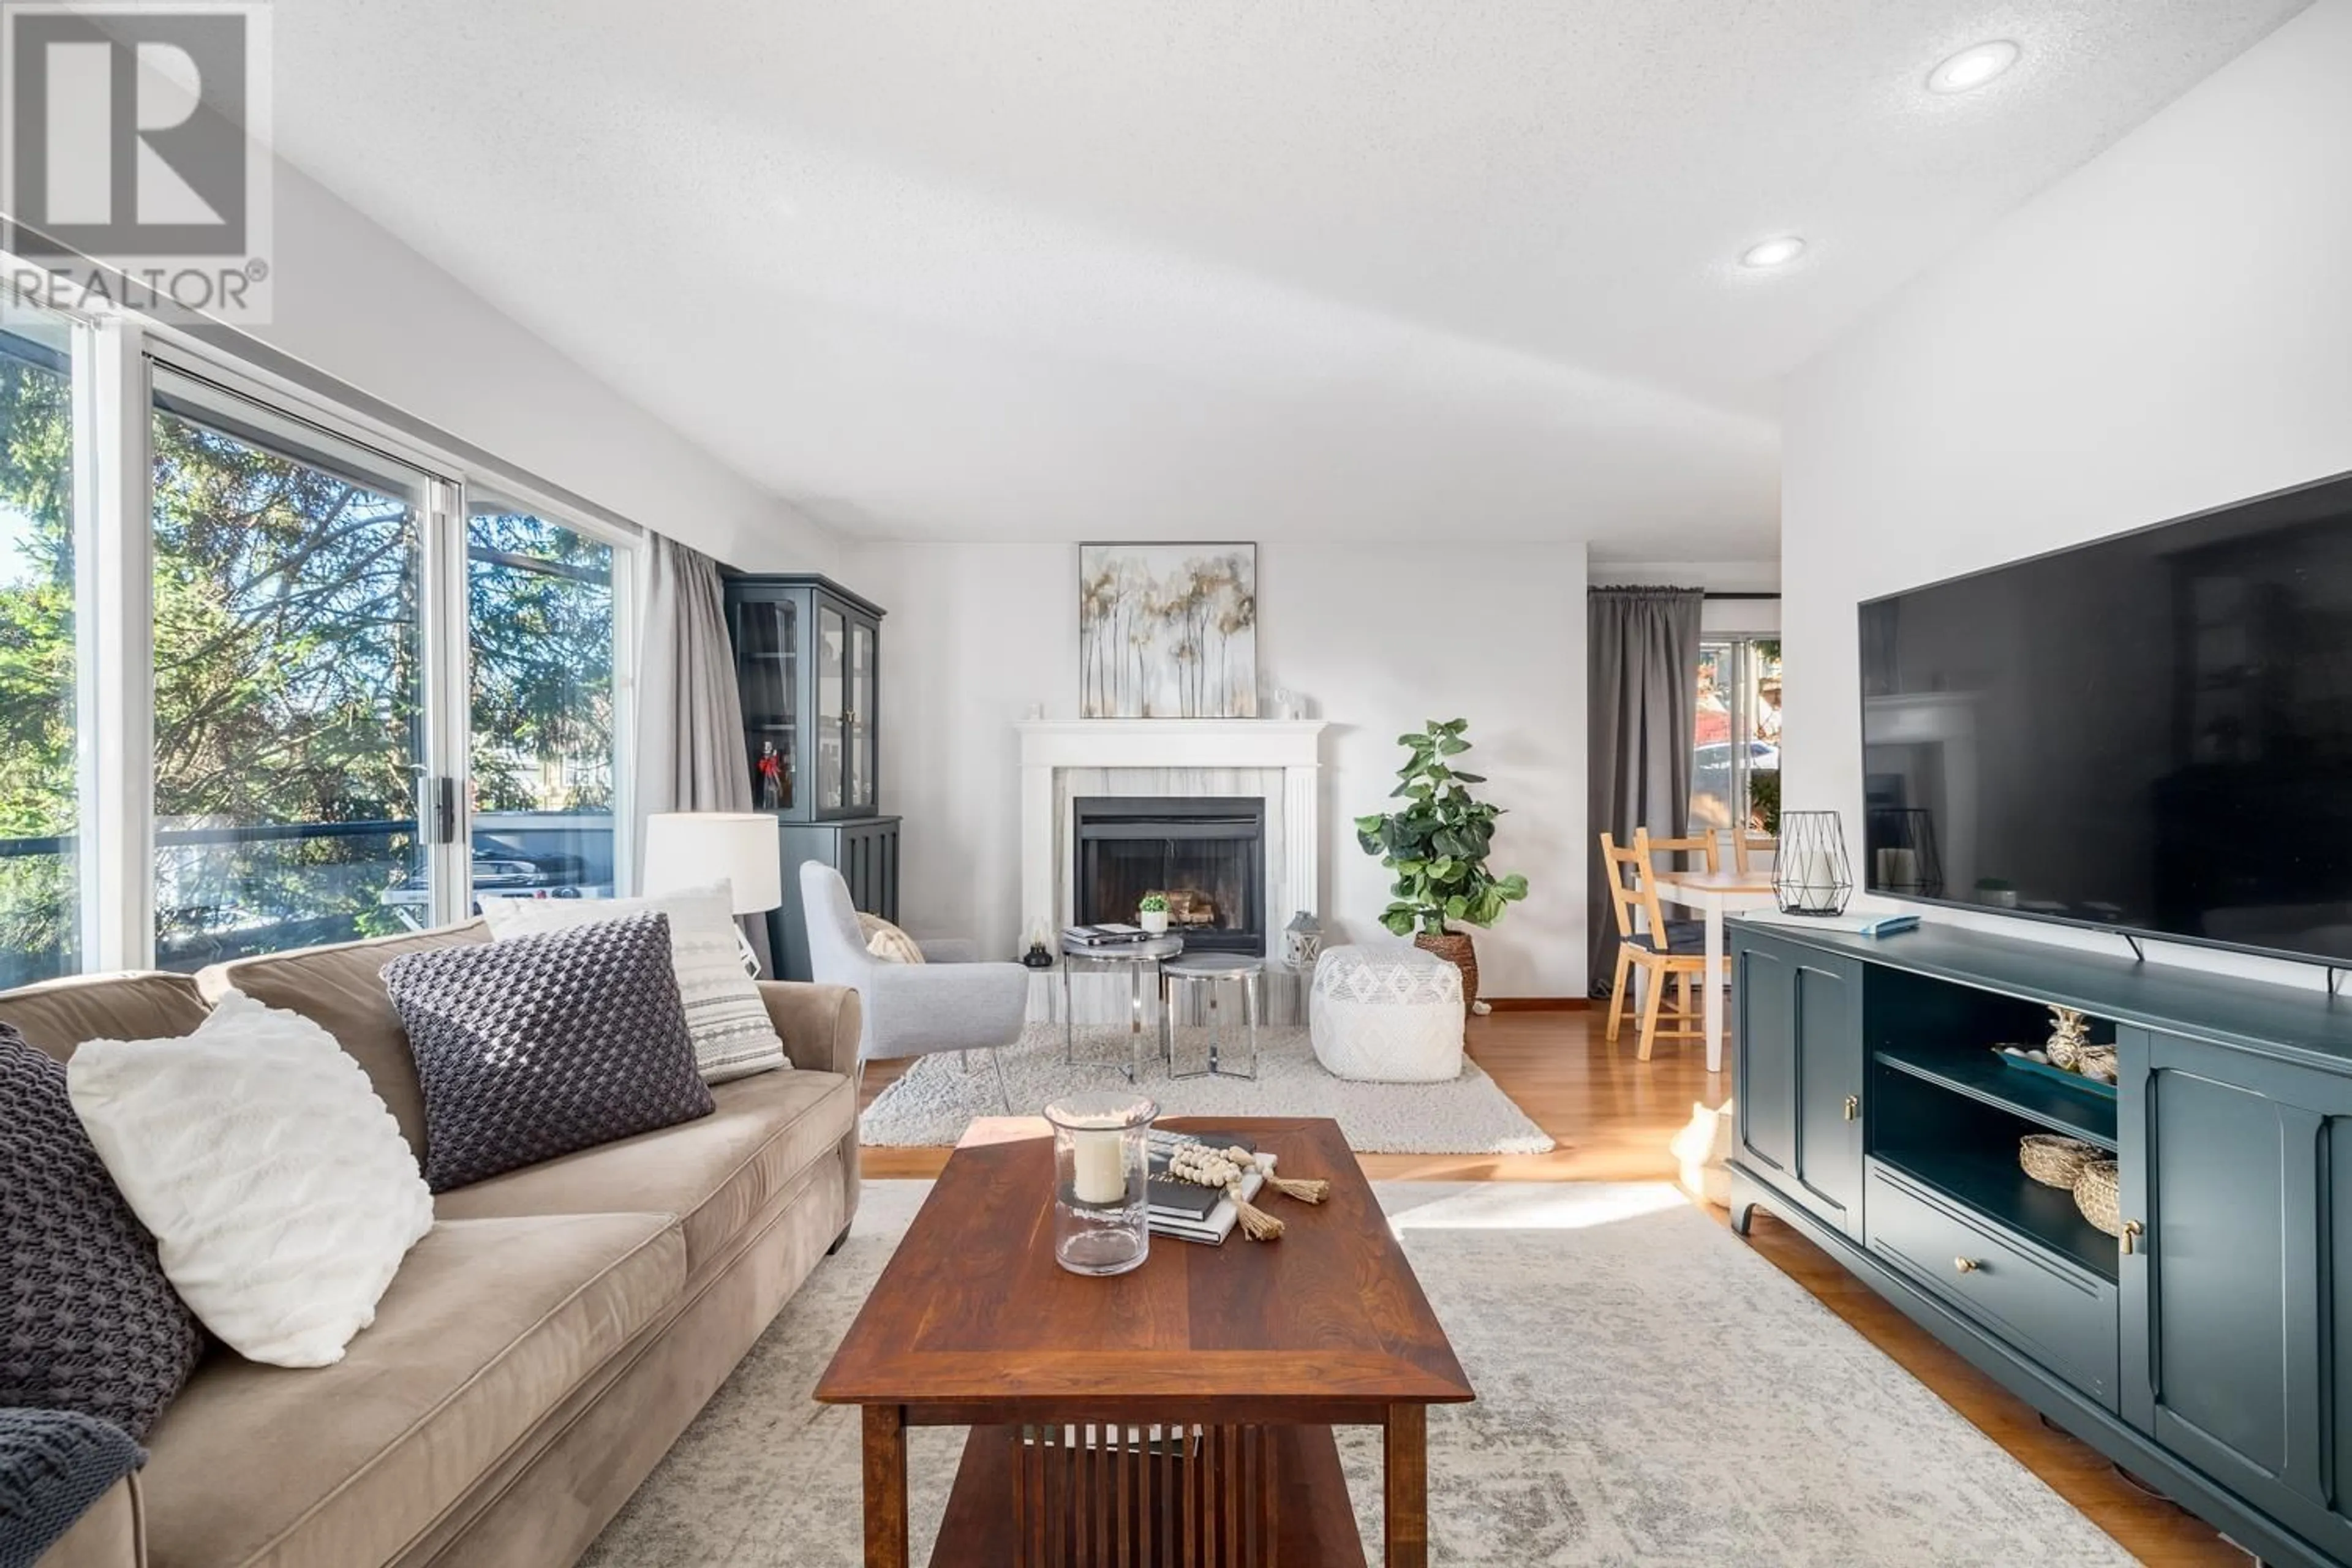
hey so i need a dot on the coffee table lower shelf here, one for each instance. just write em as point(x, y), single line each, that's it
point(1234, 1497)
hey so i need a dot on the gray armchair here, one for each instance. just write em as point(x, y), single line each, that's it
point(948, 1003)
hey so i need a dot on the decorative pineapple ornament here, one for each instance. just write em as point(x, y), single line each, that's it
point(2069, 1033)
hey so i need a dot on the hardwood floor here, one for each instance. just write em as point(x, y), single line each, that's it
point(1613, 1117)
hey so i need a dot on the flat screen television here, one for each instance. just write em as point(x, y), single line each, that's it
point(2151, 733)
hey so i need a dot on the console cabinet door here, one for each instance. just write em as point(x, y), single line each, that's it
point(2239, 1170)
point(1799, 1048)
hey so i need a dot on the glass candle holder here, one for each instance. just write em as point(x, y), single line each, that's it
point(1100, 1166)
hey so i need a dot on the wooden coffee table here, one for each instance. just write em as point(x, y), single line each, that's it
point(1203, 1387)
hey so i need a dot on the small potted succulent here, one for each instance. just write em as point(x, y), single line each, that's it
point(1151, 914)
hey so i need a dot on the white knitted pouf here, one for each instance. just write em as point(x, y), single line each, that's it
point(1386, 1015)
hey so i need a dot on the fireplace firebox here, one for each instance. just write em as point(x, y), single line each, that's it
point(1206, 854)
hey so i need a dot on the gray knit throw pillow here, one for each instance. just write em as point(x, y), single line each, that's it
point(88, 1322)
point(53, 1465)
point(541, 1044)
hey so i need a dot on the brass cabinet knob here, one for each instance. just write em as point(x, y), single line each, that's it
point(2133, 1231)
point(1967, 1265)
point(1853, 1108)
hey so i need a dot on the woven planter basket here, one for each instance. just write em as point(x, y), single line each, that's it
point(2056, 1162)
point(1456, 949)
point(2098, 1195)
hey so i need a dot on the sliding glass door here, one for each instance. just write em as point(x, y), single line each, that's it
point(541, 609)
point(291, 738)
point(272, 676)
point(41, 655)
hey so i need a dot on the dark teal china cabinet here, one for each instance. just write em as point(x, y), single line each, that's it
point(808, 669)
point(2209, 1349)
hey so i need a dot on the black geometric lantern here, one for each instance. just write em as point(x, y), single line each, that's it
point(1810, 874)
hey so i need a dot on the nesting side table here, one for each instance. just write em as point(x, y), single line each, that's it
point(1137, 958)
point(1213, 970)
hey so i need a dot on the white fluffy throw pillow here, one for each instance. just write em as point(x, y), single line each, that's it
point(280, 1191)
point(732, 1035)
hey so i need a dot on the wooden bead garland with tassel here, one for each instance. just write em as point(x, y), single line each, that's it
point(1206, 1167)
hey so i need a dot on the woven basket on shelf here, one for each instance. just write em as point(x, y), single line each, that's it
point(2053, 1160)
point(2099, 1198)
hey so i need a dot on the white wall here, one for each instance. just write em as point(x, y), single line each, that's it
point(2168, 329)
point(355, 302)
point(1380, 638)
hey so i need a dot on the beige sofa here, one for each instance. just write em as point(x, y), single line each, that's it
point(541, 1349)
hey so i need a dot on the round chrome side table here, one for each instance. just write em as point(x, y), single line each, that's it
point(1213, 970)
point(1136, 957)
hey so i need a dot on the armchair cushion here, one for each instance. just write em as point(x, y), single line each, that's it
point(887, 942)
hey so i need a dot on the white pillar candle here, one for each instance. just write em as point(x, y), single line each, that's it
point(1817, 878)
point(1098, 1165)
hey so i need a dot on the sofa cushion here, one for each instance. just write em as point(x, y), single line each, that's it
point(341, 987)
point(544, 1044)
point(280, 1191)
point(732, 1036)
point(488, 1326)
point(58, 1015)
point(715, 1174)
point(88, 1321)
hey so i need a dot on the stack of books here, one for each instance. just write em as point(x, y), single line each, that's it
point(1106, 935)
point(1183, 1209)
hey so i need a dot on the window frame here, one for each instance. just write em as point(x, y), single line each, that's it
point(115, 362)
point(1740, 669)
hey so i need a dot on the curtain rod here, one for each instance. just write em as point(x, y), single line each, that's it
point(1773, 593)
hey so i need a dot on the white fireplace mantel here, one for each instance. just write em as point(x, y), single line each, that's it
point(1292, 748)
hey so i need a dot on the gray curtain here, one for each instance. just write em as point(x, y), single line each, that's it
point(1642, 655)
point(689, 719)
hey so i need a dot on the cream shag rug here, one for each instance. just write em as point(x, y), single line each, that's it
point(1650, 1392)
point(931, 1102)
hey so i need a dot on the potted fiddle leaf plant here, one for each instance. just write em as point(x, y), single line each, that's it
point(1436, 844)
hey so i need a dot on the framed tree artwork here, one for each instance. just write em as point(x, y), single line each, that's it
point(1168, 631)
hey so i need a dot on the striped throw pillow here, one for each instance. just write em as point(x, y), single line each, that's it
point(732, 1035)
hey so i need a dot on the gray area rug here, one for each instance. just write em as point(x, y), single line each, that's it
point(931, 1103)
point(1650, 1392)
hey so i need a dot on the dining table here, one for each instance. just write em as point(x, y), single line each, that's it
point(1714, 894)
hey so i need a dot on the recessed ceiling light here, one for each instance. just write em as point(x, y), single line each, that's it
point(1973, 67)
point(1773, 252)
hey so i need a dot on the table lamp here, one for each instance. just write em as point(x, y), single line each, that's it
point(696, 848)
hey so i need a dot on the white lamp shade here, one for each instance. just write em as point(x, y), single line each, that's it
point(696, 848)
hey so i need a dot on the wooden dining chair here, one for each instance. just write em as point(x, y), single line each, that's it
point(1701, 844)
point(1748, 848)
point(1672, 955)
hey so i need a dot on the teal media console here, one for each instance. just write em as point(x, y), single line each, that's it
point(2209, 1351)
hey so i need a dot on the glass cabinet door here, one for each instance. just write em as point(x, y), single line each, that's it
point(861, 715)
point(767, 653)
point(832, 706)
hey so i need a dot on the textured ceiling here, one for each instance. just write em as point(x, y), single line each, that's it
point(1062, 269)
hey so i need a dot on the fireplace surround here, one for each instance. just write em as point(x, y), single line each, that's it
point(1273, 762)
